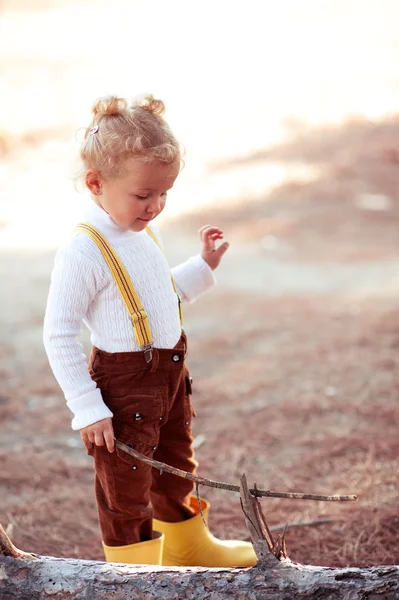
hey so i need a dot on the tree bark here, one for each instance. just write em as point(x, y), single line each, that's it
point(42, 577)
point(25, 576)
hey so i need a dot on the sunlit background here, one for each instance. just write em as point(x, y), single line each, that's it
point(235, 77)
point(288, 112)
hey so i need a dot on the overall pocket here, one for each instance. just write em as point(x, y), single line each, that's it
point(139, 420)
point(123, 459)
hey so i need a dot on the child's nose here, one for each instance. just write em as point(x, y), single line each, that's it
point(155, 205)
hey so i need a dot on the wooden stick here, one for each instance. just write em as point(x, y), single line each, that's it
point(294, 524)
point(261, 538)
point(229, 486)
point(7, 548)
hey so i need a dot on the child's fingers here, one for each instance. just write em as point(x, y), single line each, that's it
point(216, 236)
point(202, 229)
point(87, 443)
point(222, 249)
point(209, 237)
point(109, 438)
point(207, 230)
point(99, 438)
point(212, 231)
point(209, 241)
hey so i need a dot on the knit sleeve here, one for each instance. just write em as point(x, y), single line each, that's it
point(75, 282)
point(193, 278)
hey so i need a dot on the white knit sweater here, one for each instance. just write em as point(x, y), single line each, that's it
point(83, 290)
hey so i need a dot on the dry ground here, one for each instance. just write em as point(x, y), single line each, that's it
point(294, 356)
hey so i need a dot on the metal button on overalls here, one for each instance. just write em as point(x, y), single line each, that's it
point(176, 357)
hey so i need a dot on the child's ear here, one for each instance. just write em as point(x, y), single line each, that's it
point(93, 182)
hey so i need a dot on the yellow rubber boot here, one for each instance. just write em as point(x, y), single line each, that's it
point(189, 543)
point(142, 553)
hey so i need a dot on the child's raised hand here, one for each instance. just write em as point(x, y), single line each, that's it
point(210, 253)
point(100, 434)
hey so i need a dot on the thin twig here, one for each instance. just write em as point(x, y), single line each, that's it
point(199, 505)
point(283, 543)
point(229, 486)
point(295, 524)
point(301, 524)
point(260, 543)
point(250, 521)
point(261, 538)
point(267, 534)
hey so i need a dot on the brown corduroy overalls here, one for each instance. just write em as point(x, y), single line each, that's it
point(149, 394)
point(152, 413)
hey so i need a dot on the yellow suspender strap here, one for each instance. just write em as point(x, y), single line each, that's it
point(137, 313)
point(132, 301)
point(153, 236)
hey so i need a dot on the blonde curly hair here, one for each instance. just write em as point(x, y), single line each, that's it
point(120, 130)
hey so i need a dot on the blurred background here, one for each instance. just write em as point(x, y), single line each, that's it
point(288, 114)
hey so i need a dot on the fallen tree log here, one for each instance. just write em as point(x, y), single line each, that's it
point(25, 576)
point(43, 577)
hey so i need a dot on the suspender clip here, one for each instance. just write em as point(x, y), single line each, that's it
point(147, 352)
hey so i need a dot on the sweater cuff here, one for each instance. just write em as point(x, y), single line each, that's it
point(88, 409)
point(193, 278)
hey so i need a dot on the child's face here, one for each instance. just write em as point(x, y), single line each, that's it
point(137, 196)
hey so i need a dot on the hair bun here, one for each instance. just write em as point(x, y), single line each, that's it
point(108, 105)
point(150, 104)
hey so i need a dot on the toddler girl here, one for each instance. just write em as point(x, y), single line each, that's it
point(112, 276)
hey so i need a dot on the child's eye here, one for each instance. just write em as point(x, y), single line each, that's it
point(141, 197)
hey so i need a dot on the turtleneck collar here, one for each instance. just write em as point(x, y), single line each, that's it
point(97, 216)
